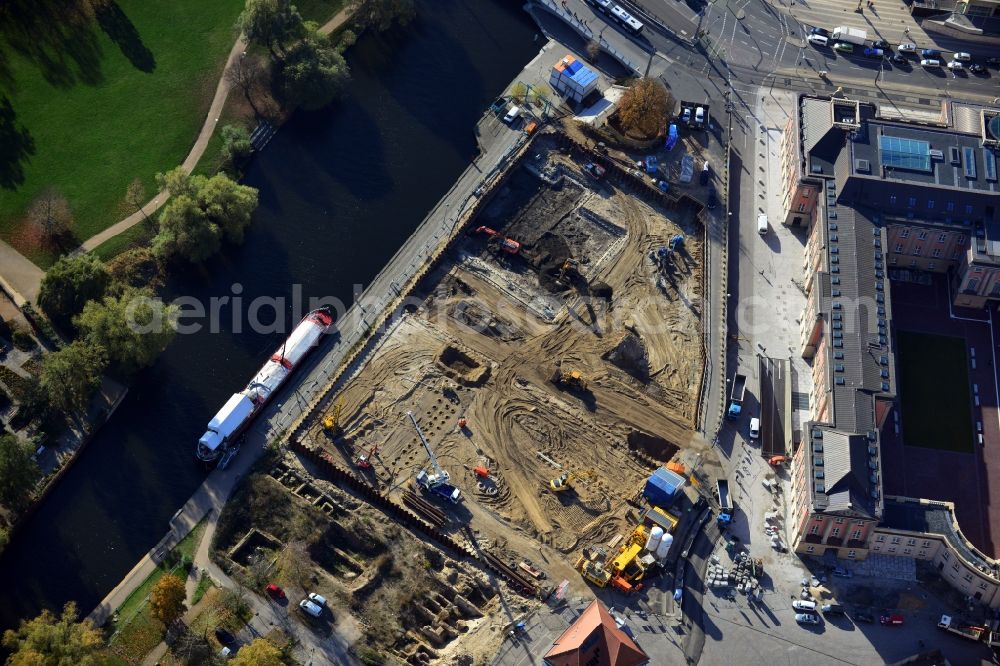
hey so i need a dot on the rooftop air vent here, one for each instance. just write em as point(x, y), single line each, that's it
point(862, 166)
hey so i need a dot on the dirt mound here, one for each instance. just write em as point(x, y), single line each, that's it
point(651, 445)
point(630, 355)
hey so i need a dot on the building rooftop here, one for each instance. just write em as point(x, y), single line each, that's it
point(935, 518)
point(594, 627)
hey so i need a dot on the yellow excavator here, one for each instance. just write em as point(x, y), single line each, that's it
point(565, 480)
point(331, 420)
point(573, 379)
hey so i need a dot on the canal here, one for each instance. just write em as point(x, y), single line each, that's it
point(340, 190)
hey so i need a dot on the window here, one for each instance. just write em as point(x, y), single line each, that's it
point(895, 540)
point(982, 586)
point(930, 204)
point(917, 250)
point(960, 240)
point(972, 284)
point(925, 544)
point(950, 206)
point(922, 235)
point(806, 193)
point(838, 521)
point(880, 538)
point(921, 553)
point(968, 209)
point(931, 266)
point(814, 529)
point(942, 238)
point(936, 253)
point(892, 549)
point(892, 199)
point(967, 578)
point(911, 202)
point(905, 233)
point(899, 247)
point(810, 549)
point(835, 532)
point(907, 551)
point(945, 555)
point(802, 208)
point(856, 534)
point(852, 554)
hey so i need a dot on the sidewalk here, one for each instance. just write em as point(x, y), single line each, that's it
point(20, 278)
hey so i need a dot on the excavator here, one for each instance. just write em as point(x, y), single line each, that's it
point(565, 480)
point(569, 265)
point(572, 379)
point(331, 420)
point(508, 245)
point(624, 571)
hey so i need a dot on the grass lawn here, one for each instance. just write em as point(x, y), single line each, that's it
point(94, 104)
point(934, 391)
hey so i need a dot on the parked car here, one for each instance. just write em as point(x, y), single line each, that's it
point(907, 47)
point(833, 609)
point(311, 608)
point(862, 617)
point(822, 32)
point(976, 68)
point(686, 116)
point(801, 605)
point(843, 47)
point(713, 198)
point(317, 599)
point(881, 44)
point(930, 53)
point(962, 56)
point(754, 428)
point(930, 62)
point(874, 53)
point(891, 619)
point(706, 173)
point(806, 618)
point(818, 40)
point(275, 591)
point(955, 65)
point(699, 115)
point(224, 636)
point(900, 59)
point(841, 572)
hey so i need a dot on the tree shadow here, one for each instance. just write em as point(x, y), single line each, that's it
point(117, 26)
point(16, 147)
point(57, 36)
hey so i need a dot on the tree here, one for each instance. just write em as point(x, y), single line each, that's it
point(313, 72)
point(137, 267)
point(133, 327)
point(380, 14)
point(298, 563)
point(250, 75)
point(200, 213)
point(260, 652)
point(18, 470)
point(48, 640)
point(135, 199)
point(166, 600)
point(71, 375)
point(270, 23)
point(593, 50)
point(643, 108)
point(69, 284)
point(236, 146)
point(51, 216)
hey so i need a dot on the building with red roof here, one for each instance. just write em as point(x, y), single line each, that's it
point(595, 640)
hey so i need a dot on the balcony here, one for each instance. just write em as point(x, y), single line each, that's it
point(857, 543)
point(813, 538)
point(834, 541)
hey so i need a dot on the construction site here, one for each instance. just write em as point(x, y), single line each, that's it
point(548, 366)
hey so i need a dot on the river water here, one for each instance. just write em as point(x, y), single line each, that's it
point(340, 190)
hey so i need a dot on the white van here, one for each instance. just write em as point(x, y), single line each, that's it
point(512, 115)
point(801, 605)
point(754, 428)
point(762, 225)
point(818, 40)
point(699, 115)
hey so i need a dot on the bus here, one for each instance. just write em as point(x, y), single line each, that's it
point(626, 20)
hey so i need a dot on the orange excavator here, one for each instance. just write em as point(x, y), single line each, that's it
point(508, 245)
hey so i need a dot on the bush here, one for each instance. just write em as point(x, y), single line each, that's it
point(23, 341)
point(43, 327)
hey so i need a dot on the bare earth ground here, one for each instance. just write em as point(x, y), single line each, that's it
point(484, 342)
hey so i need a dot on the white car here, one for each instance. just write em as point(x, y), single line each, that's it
point(818, 40)
point(806, 618)
point(311, 608)
point(317, 599)
point(962, 56)
point(699, 115)
point(754, 428)
point(954, 64)
point(801, 605)
point(908, 47)
point(930, 62)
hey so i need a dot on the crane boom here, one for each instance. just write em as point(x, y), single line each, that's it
point(430, 454)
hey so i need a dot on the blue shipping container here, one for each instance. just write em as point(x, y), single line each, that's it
point(662, 486)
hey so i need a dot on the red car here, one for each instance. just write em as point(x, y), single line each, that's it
point(895, 618)
point(275, 591)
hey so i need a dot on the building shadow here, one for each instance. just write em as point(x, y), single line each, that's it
point(16, 147)
point(117, 26)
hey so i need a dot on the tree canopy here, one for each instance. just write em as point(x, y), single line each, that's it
point(72, 374)
point(381, 14)
point(50, 215)
point(69, 284)
point(271, 24)
point(48, 640)
point(166, 600)
point(260, 652)
point(18, 470)
point(236, 146)
point(643, 108)
point(133, 327)
point(201, 213)
point(313, 72)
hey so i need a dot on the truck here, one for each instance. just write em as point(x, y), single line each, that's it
point(736, 396)
point(439, 486)
point(972, 632)
point(725, 502)
point(850, 35)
